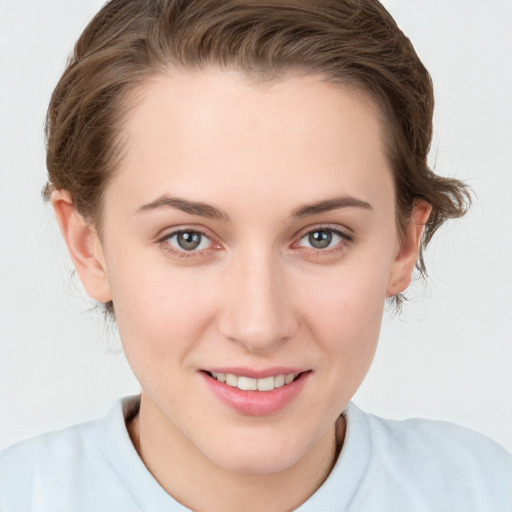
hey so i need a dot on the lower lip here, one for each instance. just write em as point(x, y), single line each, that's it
point(257, 403)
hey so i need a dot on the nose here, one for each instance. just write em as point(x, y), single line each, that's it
point(257, 311)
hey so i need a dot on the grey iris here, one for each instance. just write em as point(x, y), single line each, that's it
point(189, 240)
point(320, 239)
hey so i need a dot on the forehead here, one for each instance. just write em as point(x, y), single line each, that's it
point(207, 132)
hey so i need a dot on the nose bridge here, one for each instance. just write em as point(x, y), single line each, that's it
point(257, 311)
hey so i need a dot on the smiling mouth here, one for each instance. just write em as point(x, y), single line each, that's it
point(249, 384)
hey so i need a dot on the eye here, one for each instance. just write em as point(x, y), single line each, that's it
point(188, 240)
point(323, 238)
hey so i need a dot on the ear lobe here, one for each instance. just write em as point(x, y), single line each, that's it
point(403, 266)
point(84, 247)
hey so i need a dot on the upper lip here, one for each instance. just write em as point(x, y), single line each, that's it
point(257, 373)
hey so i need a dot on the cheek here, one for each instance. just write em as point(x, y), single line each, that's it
point(161, 319)
point(345, 312)
point(159, 309)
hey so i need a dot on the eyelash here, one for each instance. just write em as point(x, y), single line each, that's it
point(182, 253)
point(345, 239)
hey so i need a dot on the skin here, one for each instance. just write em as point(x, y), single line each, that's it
point(256, 294)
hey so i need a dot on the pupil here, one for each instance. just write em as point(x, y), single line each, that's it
point(189, 240)
point(320, 239)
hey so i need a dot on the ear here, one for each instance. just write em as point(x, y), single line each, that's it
point(84, 247)
point(403, 266)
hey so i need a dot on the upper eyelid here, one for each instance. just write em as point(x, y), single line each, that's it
point(338, 232)
point(164, 244)
point(345, 232)
point(166, 233)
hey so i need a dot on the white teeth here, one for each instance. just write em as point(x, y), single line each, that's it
point(249, 384)
point(231, 380)
point(266, 384)
point(280, 380)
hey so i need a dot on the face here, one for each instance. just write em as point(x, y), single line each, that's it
point(249, 236)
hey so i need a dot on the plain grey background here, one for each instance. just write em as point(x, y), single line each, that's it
point(448, 356)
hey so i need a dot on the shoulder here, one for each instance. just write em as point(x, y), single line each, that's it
point(42, 461)
point(65, 443)
point(435, 442)
point(443, 463)
point(60, 468)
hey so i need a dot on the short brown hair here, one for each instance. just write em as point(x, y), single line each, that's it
point(352, 42)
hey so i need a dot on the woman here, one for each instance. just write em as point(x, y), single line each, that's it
point(249, 309)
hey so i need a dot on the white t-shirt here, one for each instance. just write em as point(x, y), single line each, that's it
point(385, 465)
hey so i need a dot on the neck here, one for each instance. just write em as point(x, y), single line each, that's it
point(200, 484)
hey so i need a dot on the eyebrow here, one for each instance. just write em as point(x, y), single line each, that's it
point(331, 204)
point(211, 212)
point(191, 207)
